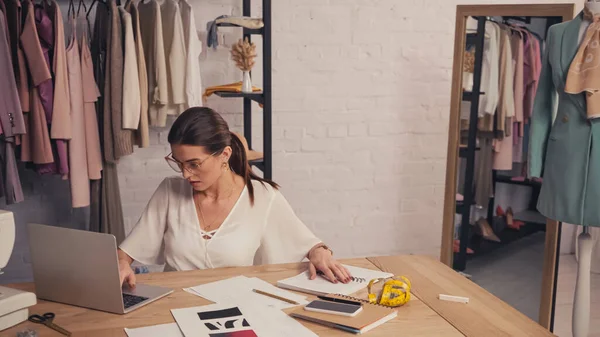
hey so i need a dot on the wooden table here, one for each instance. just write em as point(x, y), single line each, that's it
point(424, 315)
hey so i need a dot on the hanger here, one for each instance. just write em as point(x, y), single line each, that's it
point(87, 15)
point(71, 9)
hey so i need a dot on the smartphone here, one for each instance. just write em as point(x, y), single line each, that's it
point(336, 308)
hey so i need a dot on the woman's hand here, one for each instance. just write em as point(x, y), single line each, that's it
point(126, 274)
point(322, 261)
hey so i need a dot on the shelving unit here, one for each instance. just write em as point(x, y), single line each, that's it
point(468, 152)
point(263, 97)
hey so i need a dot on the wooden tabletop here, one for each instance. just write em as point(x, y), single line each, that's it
point(424, 315)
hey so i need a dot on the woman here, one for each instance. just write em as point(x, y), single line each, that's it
point(219, 214)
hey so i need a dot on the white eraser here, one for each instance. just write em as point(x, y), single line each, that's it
point(451, 298)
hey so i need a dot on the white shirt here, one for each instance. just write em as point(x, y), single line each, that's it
point(169, 232)
point(193, 49)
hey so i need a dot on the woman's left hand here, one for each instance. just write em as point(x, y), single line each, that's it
point(321, 260)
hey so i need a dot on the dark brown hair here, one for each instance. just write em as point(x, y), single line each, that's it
point(202, 126)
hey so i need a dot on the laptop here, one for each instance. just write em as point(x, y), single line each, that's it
point(81, 268)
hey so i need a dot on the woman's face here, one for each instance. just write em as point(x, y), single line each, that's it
point(199, 167)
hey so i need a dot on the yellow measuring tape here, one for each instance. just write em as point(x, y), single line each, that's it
point(395, 291)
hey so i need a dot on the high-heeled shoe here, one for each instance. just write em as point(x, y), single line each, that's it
point(516, 225)
point(457, 247)
point(486, 230)
point(510, 217)
point(499, 211)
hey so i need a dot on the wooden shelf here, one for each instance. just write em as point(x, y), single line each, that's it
point(255, 96)
point(251, 31)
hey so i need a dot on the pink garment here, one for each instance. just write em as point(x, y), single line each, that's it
point(80, 185)
point(45, 30)
point(503, 154)
point(90, 96)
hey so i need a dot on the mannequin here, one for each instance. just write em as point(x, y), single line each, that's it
point(570, 141)
point(585, 244)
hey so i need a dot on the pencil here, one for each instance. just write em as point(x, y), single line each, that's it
point(275, 296)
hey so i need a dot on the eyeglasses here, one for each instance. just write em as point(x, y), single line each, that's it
point(192, 167)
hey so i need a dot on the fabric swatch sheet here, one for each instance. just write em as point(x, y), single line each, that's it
point(238, 320)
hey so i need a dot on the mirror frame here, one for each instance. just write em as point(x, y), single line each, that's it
point(551, 247)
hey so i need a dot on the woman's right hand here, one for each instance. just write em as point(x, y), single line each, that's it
point(126, 274)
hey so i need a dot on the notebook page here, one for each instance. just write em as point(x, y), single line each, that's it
point(319, 285)
point(240, 289)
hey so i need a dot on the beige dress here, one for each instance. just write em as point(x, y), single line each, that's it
point(78, 173)
point(142, 136)
point(131, 84)
point(156, 64)
point(193, 48)
point(176, 55)
point(90, 96)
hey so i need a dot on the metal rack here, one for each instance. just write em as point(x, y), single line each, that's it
point(265, 96)
point(468, 152)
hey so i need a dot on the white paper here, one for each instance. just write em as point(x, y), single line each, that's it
point(263, 321)
point(162, 330)
point(239, 289)
point(320, 285)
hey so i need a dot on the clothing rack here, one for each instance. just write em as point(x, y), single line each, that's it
point(265, 97)
point(467, 152)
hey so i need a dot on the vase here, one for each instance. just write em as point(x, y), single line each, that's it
point(247, 83)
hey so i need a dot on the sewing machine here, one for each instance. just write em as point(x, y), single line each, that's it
point(14, 304)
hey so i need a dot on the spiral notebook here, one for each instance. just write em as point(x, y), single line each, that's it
point(372, 316)
point(321, 286)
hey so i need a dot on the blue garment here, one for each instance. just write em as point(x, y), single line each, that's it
point(212, 39)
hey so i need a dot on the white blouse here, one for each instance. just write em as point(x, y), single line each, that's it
point(168, 232)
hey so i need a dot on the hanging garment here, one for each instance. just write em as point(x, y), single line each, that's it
point(78, 175)
point(111, 212)
point(565, 153)
point(11, 122)
point(40, 150)
point(176, 55)
point(118, 142)
point(131, 85)
point(518, 49)
point(142, 136)
point(90, 97)
point(490, 71)
point(503, 145)
point(61, 126)
point(98, 50)
point(11, 116)
point(483, 170)
point(156, 64)
point(193, 49)
point(45, 31)
point(14, 16)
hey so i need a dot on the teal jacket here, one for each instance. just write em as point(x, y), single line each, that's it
point(566, 151)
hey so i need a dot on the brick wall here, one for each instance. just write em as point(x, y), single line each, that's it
point(361, 104)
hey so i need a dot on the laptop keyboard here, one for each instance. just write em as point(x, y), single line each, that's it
point(131, 300)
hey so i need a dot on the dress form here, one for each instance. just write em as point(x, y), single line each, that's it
point(581, 303)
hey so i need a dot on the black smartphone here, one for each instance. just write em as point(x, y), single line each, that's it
point(336, 308)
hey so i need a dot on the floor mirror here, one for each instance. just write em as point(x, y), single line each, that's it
point(497, 60)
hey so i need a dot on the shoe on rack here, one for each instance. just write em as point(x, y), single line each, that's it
point(457, 247)
point(510, 217)
point(486, 230)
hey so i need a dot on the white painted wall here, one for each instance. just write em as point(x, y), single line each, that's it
point(361, 93)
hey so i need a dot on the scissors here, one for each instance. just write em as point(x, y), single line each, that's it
point(46, 319)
